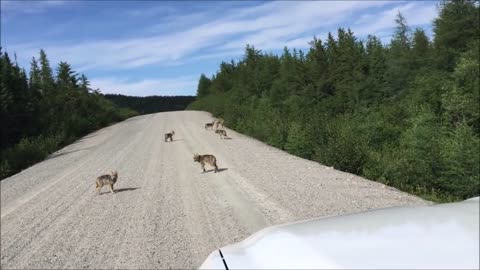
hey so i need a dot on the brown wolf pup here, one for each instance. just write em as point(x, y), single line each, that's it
point(219, 122)
point(169, 135)
point(222, 133)
point(209, 125)
point(202, 159)
point(107, 179)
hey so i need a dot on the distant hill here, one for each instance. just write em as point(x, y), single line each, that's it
point(151, 104)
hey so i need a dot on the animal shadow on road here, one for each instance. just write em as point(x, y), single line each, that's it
point(219, 170)
point(125, 189)
point(55, 155)
point(174, 140)
point(120, 190)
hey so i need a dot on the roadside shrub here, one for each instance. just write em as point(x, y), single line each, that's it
point(27, 152)
point(344, 147)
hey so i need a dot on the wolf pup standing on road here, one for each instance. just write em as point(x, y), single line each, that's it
point(219, 122)
point(209, 125)
point(169, 135)
point(202, 159)
point(107, 179)
point(222, 133)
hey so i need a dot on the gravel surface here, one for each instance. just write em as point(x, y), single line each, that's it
point(166, 213)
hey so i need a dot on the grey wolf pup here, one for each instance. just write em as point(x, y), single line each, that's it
point(202, 159)
point(169, 136)
point(222, 133)
point(219, 122)
point(106, 180)
point(209, 125)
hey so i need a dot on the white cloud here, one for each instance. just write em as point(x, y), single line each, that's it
point(416, 13)
point(211, 34)
point(225, 55)
point(160, 10)
point(268, 26)
point(161, 87)
point(11, 7)
point(302, 42)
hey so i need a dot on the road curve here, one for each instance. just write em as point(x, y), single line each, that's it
point(165, 212)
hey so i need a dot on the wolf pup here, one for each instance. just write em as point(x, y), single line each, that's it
point(209, 125)
point(169, 136)
point(219, 122)
point(222, 133)
point(107, 180)
point(202, 159)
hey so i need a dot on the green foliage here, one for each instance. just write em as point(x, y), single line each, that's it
point(27, 152)
point(405, 114)
point(40, 114)
point(421, 150)
point(420, 49)
point(429, 87)
point(455, 28)
point(375, 84)
point(467, 83)
point(344, 146)
point(399, 59)
point(265, 123)
point(151, 104)
point(460, 162)
point(215, 103)
point(203, 85)
point(459, 106)
point(46, 73)
point(298, 141)
point(66, 78)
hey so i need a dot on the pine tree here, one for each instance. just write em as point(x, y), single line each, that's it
point(298, 141)
point(35, 79)
point(399, 58)
point(84, 83)
point(35, 123)
point(46, 74)
point(401, 38)
point(203, 86)
point(375, 89)
point(420, 49)
point(455, 28)
point(65, 76)
point(6, 100)
point(347, 74)
point(317, 70)
point(331, 52)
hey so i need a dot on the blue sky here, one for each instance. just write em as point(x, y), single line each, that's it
point(161, 48)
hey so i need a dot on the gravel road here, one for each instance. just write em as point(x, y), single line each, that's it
point(165, 213)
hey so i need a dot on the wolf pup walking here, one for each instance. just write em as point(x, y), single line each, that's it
point(219, 122)
point(222, 133)
point(107, 180)
point(209, 125)
point(169, 136)
point(202, 159)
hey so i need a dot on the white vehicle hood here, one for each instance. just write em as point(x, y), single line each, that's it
point(441, 236)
